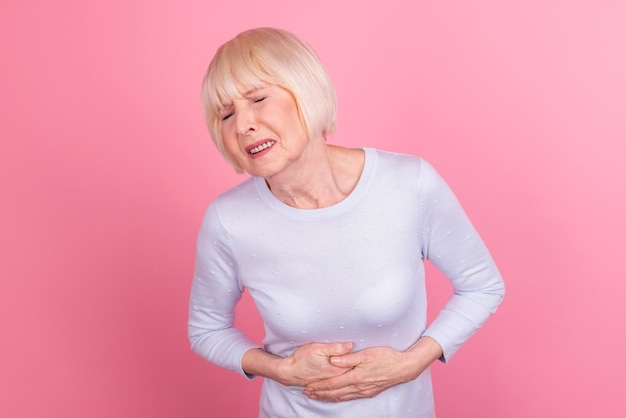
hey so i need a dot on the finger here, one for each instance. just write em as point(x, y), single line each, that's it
point(339, 349)
point(331, 395)
point(332, 383)
point(353, 395)
point(345, 394)
point(347, 360)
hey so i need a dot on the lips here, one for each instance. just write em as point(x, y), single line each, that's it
point(258, 147)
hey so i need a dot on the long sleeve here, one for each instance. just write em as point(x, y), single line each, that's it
point(452, 244)
point(353, 271)
point(215, 292)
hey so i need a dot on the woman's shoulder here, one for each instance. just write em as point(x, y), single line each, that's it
point(231, 200)
point(404, 170)
point(229, 208)
point(398, 162)
point(241, 192)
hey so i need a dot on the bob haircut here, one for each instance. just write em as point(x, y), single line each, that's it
point(269, 56)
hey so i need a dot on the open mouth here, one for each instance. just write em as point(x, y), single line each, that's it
point(265, 145)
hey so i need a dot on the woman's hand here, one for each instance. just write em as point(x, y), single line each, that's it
point(373, 370)
point(311, 362)
point(308, 363)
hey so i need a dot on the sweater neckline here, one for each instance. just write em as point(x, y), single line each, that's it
point(329, 211)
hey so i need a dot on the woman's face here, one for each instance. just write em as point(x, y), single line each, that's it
point(262, 131)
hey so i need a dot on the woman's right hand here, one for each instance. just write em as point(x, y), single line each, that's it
point(311, 362)
point(308, 363)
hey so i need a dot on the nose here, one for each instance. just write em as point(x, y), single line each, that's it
point(246, 122)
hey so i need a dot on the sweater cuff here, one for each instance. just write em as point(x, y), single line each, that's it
point(241, 371)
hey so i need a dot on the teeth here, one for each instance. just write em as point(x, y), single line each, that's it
point(261, 147)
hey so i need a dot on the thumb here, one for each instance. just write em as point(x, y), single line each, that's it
point(343, 358)
point(346, 360)
point(339, 349)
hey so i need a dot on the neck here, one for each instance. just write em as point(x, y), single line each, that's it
point(324, 177)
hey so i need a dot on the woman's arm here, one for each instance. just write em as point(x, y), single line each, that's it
point(310, 362)
point(215, 292)
point(452, 244)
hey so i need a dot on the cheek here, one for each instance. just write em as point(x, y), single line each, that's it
point(297, 124)
point(231, 145)
point(228, 134)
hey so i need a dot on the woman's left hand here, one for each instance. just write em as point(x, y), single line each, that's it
point(373, 371)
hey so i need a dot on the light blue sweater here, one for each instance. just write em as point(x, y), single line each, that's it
point(349, 272)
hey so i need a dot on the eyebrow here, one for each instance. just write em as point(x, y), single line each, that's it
point(225, 106)
point(223, 109)
point(253, 90)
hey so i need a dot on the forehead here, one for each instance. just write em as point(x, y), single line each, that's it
point(241, 92)
point(233, 75)
point(233, 87)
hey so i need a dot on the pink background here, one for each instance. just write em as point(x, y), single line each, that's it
point(106, 169)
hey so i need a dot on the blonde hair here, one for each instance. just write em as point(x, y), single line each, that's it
point(269, 56)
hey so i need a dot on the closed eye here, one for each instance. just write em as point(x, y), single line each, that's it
point(227, 116)
point(260, 99)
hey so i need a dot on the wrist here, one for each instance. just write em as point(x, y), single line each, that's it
point(422, 354)
point(259, 362)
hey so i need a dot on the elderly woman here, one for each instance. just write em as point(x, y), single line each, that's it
point(330, 242)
